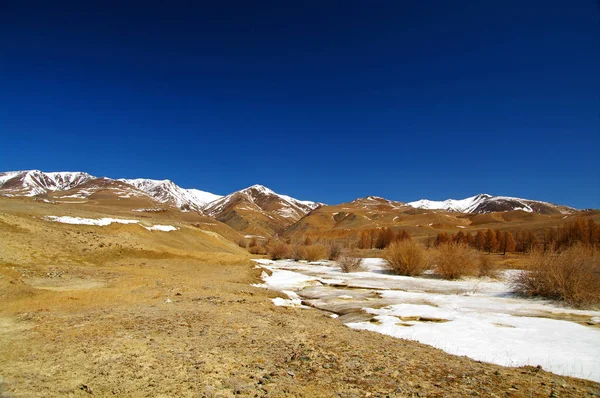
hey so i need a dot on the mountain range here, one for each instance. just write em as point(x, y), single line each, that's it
point(257, 210)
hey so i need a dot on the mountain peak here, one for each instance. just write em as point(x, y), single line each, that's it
point(259, 188)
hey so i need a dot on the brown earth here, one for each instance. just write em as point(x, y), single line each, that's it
point(174, 314)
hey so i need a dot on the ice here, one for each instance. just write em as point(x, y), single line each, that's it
point(479, 318)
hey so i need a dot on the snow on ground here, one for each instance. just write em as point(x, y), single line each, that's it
point(102, 222)
point(479, 318)
point(164, 228)
point(89, 221)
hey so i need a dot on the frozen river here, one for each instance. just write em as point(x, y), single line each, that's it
point(479, 318)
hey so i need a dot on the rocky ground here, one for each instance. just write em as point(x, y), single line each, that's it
point(173, 327)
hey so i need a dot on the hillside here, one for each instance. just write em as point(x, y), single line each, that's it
point(259, 211)
point(346, 220)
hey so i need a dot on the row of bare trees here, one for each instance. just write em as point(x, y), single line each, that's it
point(577, 232)
point(380, 238)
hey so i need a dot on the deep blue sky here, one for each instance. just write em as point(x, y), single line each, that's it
point(322, 100)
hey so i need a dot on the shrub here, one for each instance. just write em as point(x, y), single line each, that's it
point(453, 261)
point(316, 252)
point(349, 264)
point(257, 249)
point(279, 250)
point(487, 267)
point(572, 275)
point(298, 252)
point(334, 251)
point(406, 258)
point(242, 242)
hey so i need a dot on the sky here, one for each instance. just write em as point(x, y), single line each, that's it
point(320, 100)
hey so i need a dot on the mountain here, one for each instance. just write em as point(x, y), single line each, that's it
point(257, 210)
point(166, 191)
point(35, 182)
point(484, 203)
point(347, 219)
point(77, 186)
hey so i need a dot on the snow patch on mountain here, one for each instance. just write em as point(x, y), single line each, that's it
point(466, 205)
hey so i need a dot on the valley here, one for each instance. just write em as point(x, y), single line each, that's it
point(115, 288)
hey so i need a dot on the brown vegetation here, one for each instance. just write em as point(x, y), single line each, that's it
point(316, 252)
point(349, 264)
point(406, 258)
point(454, 260)
point(278, 250)
point(334, 250)
point(571, 275)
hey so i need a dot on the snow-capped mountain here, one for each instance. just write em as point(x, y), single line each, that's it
point(166, 191)
point(262, 199)
point(376, 201)
point(82, 185)
point(257, 210)
point(484, 203)
point(35, 182)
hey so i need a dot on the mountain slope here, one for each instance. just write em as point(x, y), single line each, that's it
point(347, 219)
point(36, 182)
point(484, 203)
point(78, 185)
point(257, 210)
point(166, 191)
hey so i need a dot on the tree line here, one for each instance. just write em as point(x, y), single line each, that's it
point(576, 232)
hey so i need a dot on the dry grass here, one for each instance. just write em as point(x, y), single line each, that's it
point(455, 260)
point(406, 258)
point(572, 275)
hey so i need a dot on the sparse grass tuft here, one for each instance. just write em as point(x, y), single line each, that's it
point(455, 260)
point(406, 258)
point(572, 275)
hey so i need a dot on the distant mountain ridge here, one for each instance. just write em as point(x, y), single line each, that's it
point(38, 183)
point(242, 206)
point(485, 203)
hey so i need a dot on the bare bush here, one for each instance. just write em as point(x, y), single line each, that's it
point(257, 249)
point(349, 264)
point(279, 250)
point(487, 267)
point(316, 252)
point(298, 252)
point(406, 258)
point(242, 242)
point(334, 251)
point(454, 260)
point(572, 275)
